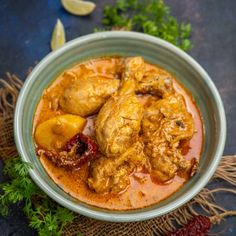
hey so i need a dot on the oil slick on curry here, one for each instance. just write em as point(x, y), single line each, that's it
point(118, 133)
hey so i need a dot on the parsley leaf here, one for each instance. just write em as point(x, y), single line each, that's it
point(151, 17)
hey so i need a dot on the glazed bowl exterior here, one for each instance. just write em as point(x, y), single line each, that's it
point(154, 50)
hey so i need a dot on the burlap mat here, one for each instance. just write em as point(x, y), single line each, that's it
point(9, 89)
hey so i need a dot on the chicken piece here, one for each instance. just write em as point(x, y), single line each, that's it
point(118, 123)
point(85, 96)
point(111, 175)
point(134, 69)
point(170, 118)
point(157, 84)
point(167, 122)
point(166, 162)
point(160, 84)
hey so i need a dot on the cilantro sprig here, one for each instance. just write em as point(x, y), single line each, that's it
point(45, 215)
point(151, 17)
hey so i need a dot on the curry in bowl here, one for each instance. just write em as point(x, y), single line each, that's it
point(118, 133)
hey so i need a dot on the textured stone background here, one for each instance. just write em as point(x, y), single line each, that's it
point(25, 31)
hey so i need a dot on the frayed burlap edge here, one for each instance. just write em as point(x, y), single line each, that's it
point(9, 90)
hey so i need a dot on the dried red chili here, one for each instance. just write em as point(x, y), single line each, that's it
point(198, 226)
point(77, 151)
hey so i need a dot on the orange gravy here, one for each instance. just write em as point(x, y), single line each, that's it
point(143, 191)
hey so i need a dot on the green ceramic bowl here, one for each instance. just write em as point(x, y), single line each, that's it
point(154, 50)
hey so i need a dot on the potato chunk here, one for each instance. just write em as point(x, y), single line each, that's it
point(55, 132)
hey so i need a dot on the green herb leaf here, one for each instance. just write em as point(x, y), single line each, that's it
point(151, 17)
point(45, 215)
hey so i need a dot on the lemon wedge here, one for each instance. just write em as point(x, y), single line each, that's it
point(58, 36)
point(78, 7)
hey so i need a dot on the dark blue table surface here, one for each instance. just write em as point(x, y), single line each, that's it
point(25, 31)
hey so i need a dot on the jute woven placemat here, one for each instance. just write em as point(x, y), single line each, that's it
point(9, 90)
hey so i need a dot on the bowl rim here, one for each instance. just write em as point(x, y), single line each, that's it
point(116, 216)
